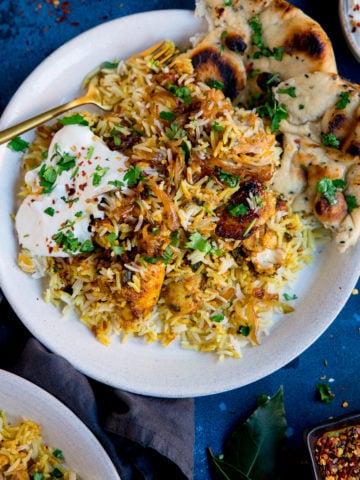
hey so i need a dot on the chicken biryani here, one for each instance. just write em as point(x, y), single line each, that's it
point(158, 220)
point(24, 455)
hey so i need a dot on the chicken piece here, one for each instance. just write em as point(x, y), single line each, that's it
point(150, 281)
point(249, 208)
point(183, 296)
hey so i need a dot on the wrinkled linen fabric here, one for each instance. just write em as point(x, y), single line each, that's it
point(147, 438)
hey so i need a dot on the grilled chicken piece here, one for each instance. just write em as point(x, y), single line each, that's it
point(248, 209)
point(143, 302)
point(183, 296)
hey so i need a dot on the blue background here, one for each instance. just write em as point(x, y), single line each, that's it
point(29, 32)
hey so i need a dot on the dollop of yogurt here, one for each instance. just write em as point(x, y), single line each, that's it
point(66, 190)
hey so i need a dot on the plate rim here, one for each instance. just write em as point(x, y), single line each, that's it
point(153, 388)
point(66, 414)
point(354, 48)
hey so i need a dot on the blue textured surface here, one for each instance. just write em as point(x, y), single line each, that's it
point(31, 30)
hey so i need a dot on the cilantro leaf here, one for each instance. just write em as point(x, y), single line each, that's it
point(198, 242)
point(18, 144)
point(328, 188)
point(75, 119)
point(330, 140)
point(344, 100)
point(352, 202)
point(324, 392)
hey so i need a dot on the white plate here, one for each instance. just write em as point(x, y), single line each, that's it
point(352, 40)
point(59, 426)
point(149, 369)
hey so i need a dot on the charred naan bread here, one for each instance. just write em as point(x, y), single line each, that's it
point(249, 38)
point(320, 165)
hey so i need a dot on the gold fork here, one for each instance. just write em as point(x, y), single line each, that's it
point(160, 53)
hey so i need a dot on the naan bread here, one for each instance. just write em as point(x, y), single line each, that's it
point(227, 53)
point(316, 119)
point(251, 42)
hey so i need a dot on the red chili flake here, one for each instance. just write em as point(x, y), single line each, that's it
point(337, 454)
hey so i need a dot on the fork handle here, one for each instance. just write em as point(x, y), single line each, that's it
point(16, 130)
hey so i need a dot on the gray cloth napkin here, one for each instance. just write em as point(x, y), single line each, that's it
point(147, 438)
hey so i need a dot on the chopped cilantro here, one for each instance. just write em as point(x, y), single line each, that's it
point(181, 92)
point(56, 473)
point(328, 188)
point(227, 3)
point(228, 178)
point(288, 91)
point(75, 119)
point(133, 176)
point(70, 200)
point(58, 454)
point(38, 476)
point(344, 100)
point(218, 128)
point(288, 297)
point(90, 152)
point(79, 214)
point(174, 239)
point(109, 65)
point(167, 115)
point(250, 226)
point(49, 211)
point(223, 36)
point(274, 111)
point(325, 393)
point(236, 210)
point(18, 144)
point(116, 183)
point(217, 84)
point(87, 246)
point(258, 41)
point(175, 133)
point(99, 174)
point(301, 106)
point(48, 178)
point(330, 140)
point(352, 202)
point(198, 242)
point(244, 330)
point(218, 317)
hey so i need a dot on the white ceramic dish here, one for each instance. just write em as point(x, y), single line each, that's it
point(59, 426)
point(352, 38)
point(149, 369)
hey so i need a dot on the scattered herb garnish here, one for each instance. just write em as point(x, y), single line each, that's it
point(181, 92)
point(325, 393)
point(228, 178)
point(288, 91)
point(165, 257)
point(328, 188)
point(330, 140)
point(258, 41)
point(253, 449)
point(227, 3)
point(75, 119)
point(236, 210)
point(99, 174)
point(288, 297)
point(249, 227)
point(133, 176)
point(57, 473)
point(49, 211)
point(198, 242)
point(48, 178)
point(167, 115)
point(175, 133)
point(18, 144)
point(344, 100)
point(217, 84)
point(58, 454)
point(274, 111)
point(244, 330)
point(38, 476)
point(109, 65)
point(218, 128)
point(352, 202)
point(218, 317)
